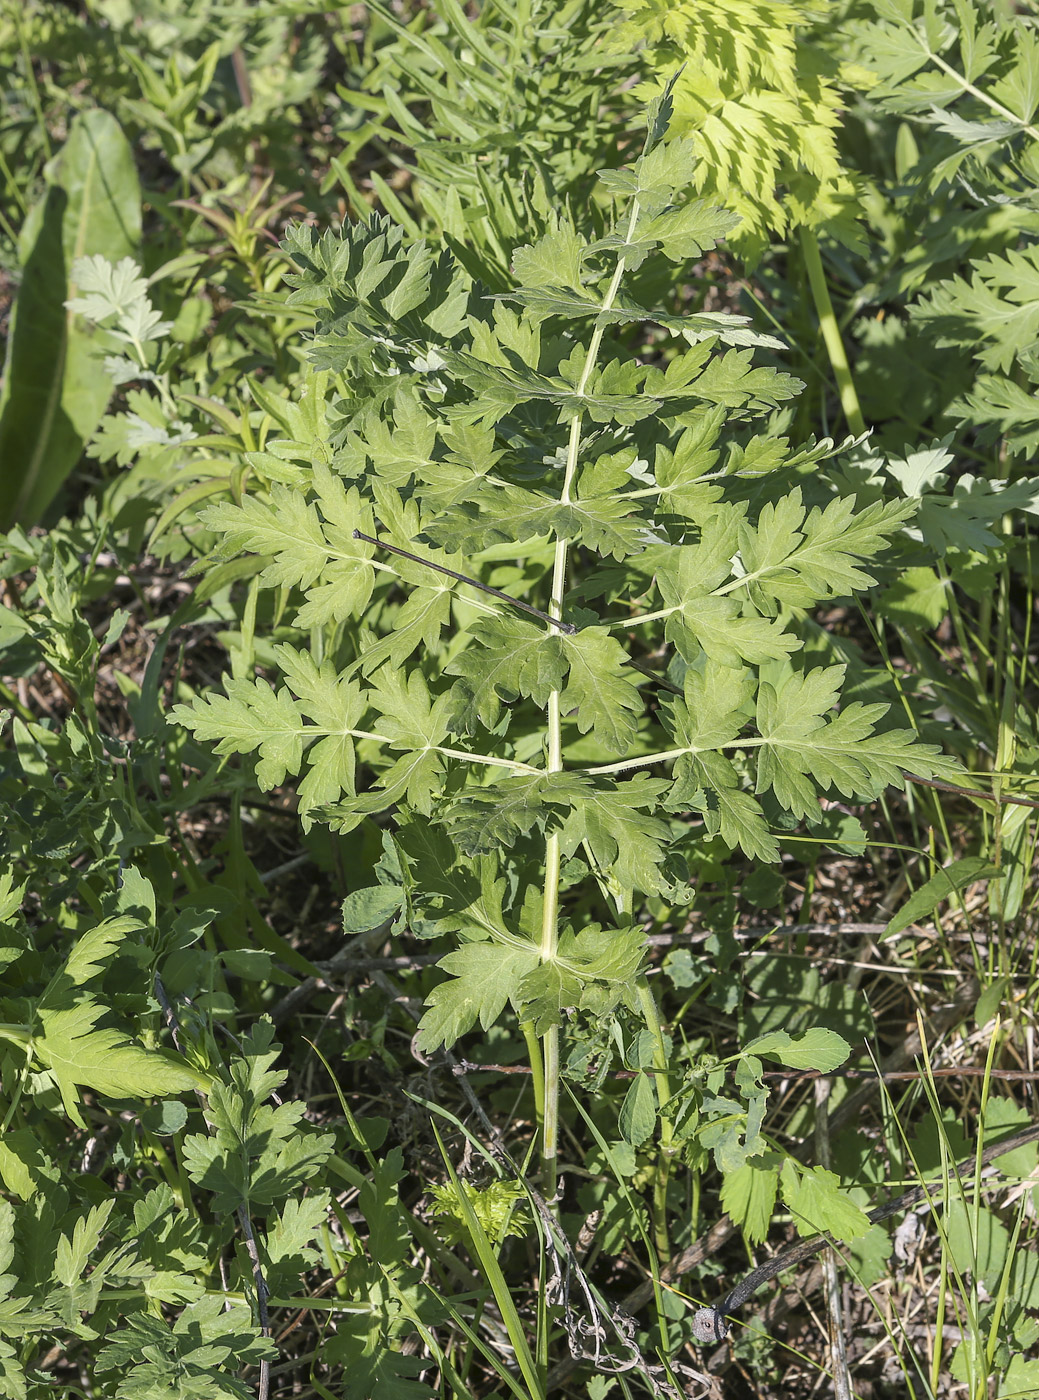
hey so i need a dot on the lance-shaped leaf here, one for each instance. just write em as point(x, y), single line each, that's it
point(55, 386)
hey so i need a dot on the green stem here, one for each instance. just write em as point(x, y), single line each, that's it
point(537, 1071)
point(831, 331)
point(662, 1081)
point(549, 946)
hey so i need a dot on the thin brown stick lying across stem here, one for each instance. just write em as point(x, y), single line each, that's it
point(711, 1323)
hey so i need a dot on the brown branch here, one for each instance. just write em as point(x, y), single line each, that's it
point(972, 792)
point(953, 1072)
point(710, 1323)
point(567, 627)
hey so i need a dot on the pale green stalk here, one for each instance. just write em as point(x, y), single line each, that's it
point(831, 331)
point(549, 945)
point(662, 1081)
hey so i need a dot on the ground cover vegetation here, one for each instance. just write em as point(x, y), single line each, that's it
point(518, 691)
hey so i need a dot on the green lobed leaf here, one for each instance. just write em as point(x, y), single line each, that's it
point(819, 1205)
point(748, 1195)
point(484, 976)
point(80, 1054)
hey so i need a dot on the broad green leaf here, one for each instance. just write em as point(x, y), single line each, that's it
point(795, 558)
point(508, 658)
point(291, 1232)
point(55, 387)
point(481, 819)
point(24, 1167)
point(627, 841)
point(748, 1195)
point(369, 908)
point(598, 687)
point(606, 524)
point(252, 717)
point(72, 1255)
point(484, 976)
point(554, 260)
point(817, 1048)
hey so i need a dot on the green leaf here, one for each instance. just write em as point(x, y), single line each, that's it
point(118, 291)
point(917, 599)
point(748, 1195)
point(819, 1205)
point(370, 908)
point(78, 1053)
point(446, 892)
point(507, 514)
point(803, 752)
point(89, 955)
point(55, 387)
point(554, 260)
point(481, 819)
point(943, 885)
point(699, 619)
point(638, 1111)
point(484, 976)
point(72, 1255)
point(254, 1154)
point(817, 1049)
point(291, 1233)
point(795, 558)
point(628, 843)
point(252, 717)
point(200, 1348)
point(610, 957)
point(508, 658)
point(598, 688)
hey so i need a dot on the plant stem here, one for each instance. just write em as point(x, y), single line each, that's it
point(662, 1080)
point(537, 1070)
point(549, 946)
point(831, 331)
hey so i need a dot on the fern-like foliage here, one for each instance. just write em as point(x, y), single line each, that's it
point(968, 81)
point(761, 107)
point(512, 441)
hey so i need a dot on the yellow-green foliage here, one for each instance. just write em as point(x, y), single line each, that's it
point(762, 109)
point(496, 1208)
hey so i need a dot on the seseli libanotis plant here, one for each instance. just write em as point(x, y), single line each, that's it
point(546, 773)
